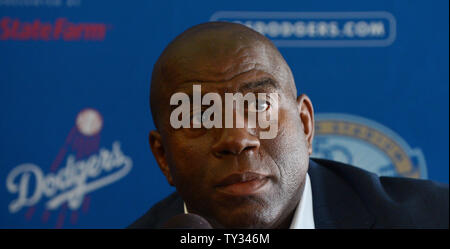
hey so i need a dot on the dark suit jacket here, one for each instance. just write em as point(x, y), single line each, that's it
point(348, 197)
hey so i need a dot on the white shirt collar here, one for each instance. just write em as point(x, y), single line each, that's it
point(303, 216)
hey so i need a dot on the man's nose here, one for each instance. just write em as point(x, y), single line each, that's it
point(234, 141)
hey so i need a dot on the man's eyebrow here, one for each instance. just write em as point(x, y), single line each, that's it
point(261, 83)
point(267, 82)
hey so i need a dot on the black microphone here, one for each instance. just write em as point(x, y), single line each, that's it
point(187, 221)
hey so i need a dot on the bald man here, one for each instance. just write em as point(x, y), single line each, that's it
point(233, 177)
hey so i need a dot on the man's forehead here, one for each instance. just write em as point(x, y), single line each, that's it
point(216, 63)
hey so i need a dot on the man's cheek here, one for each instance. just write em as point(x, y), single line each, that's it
point(188, 170)
point(287, 149)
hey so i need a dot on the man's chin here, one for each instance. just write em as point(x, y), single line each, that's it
point(243, 219)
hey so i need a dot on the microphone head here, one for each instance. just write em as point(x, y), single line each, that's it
point(187, 221)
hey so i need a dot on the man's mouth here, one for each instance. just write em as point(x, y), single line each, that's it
point(242, 183)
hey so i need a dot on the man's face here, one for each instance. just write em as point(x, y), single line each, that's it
point(229, 175)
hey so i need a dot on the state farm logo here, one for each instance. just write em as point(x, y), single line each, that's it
point(87, 168)
point(60, 29)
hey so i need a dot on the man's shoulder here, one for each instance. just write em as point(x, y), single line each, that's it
point(394, 201)
point(398, 189)
point(160, 212)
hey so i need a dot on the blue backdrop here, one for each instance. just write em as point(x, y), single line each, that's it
point(75, 80)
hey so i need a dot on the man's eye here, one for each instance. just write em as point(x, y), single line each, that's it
point(259, 106)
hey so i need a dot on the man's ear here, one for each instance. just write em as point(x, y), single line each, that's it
point(154, 139)
point(306, 111)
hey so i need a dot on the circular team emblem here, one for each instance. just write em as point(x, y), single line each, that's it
point(367, 144)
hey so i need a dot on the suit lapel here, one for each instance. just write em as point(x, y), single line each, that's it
point(169, 207)
point(335, 203)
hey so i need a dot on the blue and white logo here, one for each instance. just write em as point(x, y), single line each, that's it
point(367, 144)
point(318, 29)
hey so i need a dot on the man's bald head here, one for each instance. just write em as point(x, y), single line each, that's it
point(213, 52)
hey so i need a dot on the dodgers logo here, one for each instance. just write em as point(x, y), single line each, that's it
point(318, 29)
point(80, 168)
point(366, 144)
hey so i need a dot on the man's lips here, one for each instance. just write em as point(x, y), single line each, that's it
point(242, 183)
